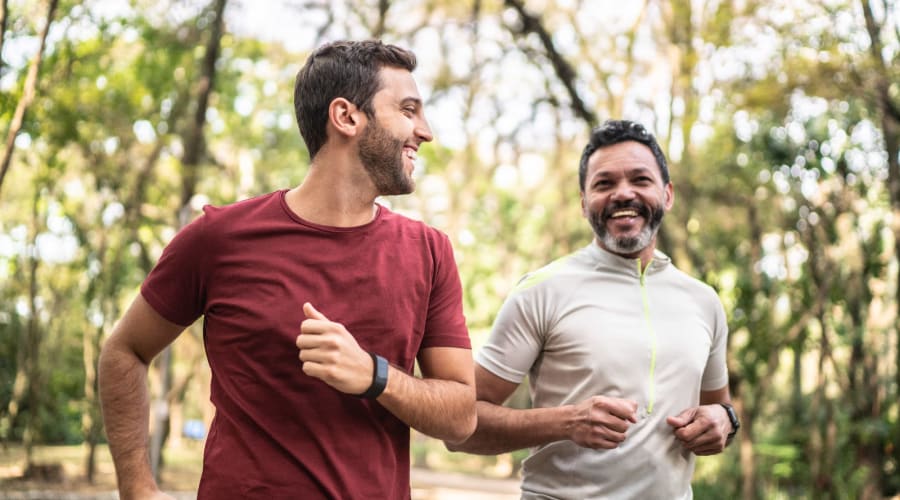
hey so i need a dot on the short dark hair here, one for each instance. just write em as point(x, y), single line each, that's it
point(616, 131)
point(348, 69)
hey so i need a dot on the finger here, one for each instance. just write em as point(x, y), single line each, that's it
point(705, 449)
point(313, 313)
point(625, 409)
point(689, 432)
point(607, 445)
point(677, 421)
point(683, 418)
point(614, 424)
point(313, 369)
point(308, 341)
point(703, 440)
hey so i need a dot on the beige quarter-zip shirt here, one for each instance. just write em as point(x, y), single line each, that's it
point(594, 323)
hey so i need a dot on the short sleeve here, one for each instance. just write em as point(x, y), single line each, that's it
point(176, 286)
point(516, 339)
point(445, 325)
point(715, 376)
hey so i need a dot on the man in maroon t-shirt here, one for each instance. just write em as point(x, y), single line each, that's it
point(323, 273)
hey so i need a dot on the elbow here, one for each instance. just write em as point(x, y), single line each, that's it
point(454, 446)
point(461, 432)
point(458, 441)
point(464, 441)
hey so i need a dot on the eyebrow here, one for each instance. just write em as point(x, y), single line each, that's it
point(412, 100)
point(629, 171)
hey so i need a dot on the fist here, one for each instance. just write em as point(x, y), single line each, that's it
point(329, 353)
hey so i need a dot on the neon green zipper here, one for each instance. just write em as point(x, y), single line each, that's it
point(651, 398)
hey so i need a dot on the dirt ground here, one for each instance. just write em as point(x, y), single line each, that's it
point(63, 478)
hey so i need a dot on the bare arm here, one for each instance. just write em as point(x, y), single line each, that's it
point(441, 405)
point(136, 339)
point(704, 429)
point(598, 422)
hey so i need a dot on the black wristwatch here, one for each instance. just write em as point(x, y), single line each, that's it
point(379, 377)
point(735, 423)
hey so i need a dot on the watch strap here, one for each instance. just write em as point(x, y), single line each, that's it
point(735, 423)
point(379, 377)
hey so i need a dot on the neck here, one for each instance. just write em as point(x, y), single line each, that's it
point(336, 192)
point(645, 255)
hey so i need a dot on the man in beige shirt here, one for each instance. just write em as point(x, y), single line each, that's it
point(625, 354)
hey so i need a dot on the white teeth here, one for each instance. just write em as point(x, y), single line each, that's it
point(625, 213)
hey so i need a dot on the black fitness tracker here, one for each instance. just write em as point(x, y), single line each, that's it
point(379, 377)
point(735, 423)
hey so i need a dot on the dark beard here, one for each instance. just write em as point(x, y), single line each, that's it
point(627, 245)
point(382, 157)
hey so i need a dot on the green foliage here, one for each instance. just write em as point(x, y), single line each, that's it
point(781, 192)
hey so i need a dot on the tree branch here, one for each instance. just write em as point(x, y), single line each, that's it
point(28, 93)
point(562, 68)
point(4, 17)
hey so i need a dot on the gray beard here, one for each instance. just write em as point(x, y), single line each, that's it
point(627, 245)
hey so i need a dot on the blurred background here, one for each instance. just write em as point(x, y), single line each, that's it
point(781, 120)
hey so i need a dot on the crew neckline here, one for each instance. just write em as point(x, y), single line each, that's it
point(379, 212)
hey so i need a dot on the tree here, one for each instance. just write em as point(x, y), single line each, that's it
point(31, 83)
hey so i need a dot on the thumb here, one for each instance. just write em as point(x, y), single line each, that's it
point(681, 419)
point(312, 313)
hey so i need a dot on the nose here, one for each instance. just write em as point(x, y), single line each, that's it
point(622, 192)
point(422, 130)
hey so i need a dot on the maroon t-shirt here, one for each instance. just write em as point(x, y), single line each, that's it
point(248, 268)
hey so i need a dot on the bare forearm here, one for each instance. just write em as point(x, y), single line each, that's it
point(125, 404)
point(501, 429)
point(443, 409)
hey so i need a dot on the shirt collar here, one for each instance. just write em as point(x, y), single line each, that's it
point(607, 260)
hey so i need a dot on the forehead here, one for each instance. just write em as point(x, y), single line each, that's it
point(621, 158)
point(397, 84)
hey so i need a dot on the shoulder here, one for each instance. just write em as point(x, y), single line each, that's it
point(698, 289)
point(248, 208)
point(412, 229)
point(563, 273)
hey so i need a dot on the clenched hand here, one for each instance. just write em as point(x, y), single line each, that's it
point(329, 353)
point(702, 429)
point(601, 421)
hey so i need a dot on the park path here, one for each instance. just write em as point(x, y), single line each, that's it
point(426, 485)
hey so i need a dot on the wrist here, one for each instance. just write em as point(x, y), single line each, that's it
point(735, 424)
point(571, 418)
point(379, 377)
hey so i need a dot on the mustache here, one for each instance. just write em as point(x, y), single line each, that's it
point(642, 209)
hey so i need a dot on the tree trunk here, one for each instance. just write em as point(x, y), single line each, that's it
point(4, 17)
point(90, 419)
point(194, 147)
point(890, 129)
point(33, 341)
point(28, 93)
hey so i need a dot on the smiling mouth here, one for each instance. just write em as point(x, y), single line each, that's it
point(410, 153)
point(623, 213)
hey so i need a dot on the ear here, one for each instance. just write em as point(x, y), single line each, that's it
point(584, 211)
point(345, 117)
point(669, 194)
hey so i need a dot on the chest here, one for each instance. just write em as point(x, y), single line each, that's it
point(376, 287)
point(621, 327)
